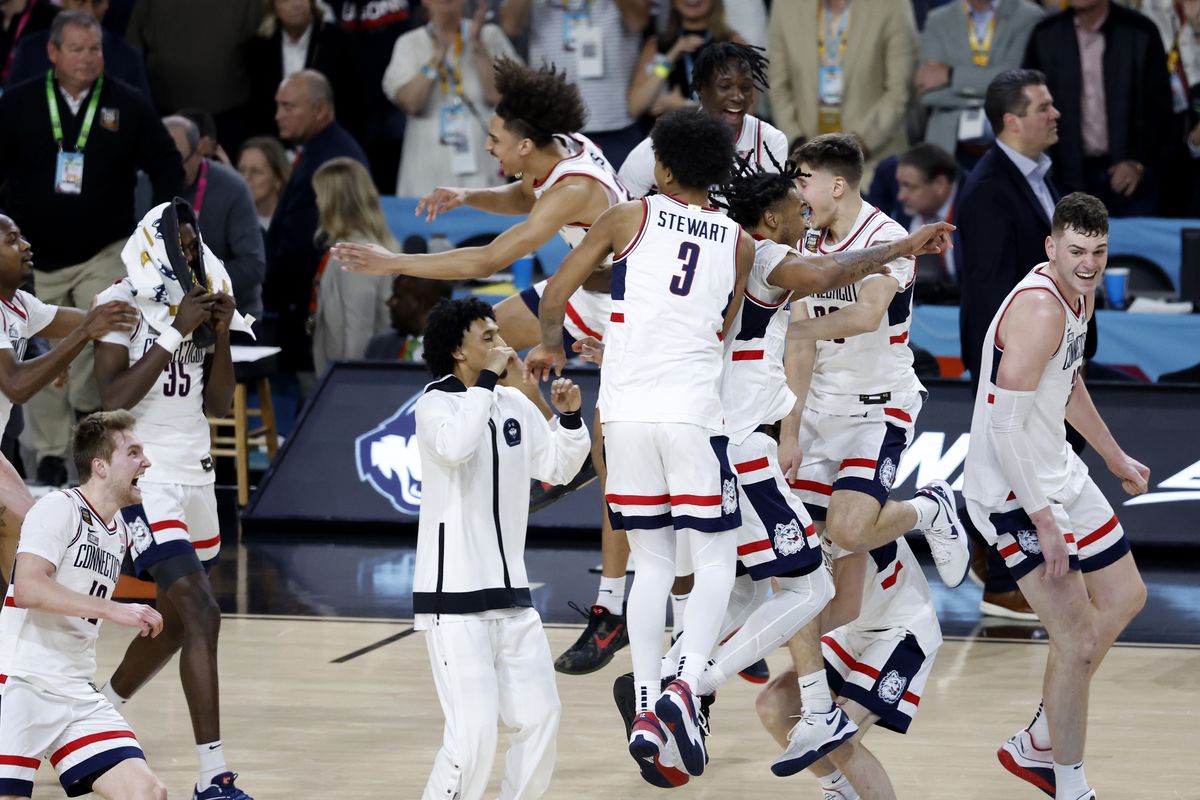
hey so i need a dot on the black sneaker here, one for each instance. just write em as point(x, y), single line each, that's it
point(624, 697)
point(604, 635)
point(758, 672)
point(542, 495)
point(52, 471)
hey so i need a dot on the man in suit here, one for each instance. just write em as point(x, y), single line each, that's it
point(851, 72)
point(1003, 218)
point(962, 50)
point(305, 116)
point(1117, 130)
point(927, 179)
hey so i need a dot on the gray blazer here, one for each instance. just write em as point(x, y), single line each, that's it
point(945, 39)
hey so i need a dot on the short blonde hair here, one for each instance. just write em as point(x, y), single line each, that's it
point(95, 437)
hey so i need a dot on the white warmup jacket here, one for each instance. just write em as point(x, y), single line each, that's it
point(480, 448)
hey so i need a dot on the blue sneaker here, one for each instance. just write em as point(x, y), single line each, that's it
point(222, 788)
point(678, 710)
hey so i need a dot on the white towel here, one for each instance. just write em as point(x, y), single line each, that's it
point(155, 287)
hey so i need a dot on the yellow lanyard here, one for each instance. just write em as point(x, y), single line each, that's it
point(452, 73)
point(841, 34)
point(980, 51)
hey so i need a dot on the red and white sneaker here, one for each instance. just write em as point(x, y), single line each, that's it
point(1020, 756)
point(650, 746)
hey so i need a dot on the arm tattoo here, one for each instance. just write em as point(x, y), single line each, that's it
point(858, 264)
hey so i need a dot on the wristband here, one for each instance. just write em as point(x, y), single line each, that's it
point(571, 420)
point(429, 72)
point(169, 339)
point(661, 66)
point(486, 380)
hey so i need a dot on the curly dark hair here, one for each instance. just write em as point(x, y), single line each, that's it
point(445, 326)
point(1081, 212)
point(538, 103)
point(717, 57)
point(752, 189)
point(696, 146)
point(839, 153)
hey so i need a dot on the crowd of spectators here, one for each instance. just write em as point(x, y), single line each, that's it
point(282, 121)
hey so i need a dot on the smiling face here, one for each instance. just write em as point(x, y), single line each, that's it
point(789, 217)
point(1077, 260)
point(730, 95)
point(820, 190)
point(16, 256)
point(507, 147)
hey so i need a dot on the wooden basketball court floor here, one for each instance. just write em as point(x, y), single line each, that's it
point(311, 709)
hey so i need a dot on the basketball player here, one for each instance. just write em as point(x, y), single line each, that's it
point(564, 183)
point(170, 379)
point(1033, 500)
point(68, 563)
point(678, 263)
point(727, 78)
point(861, 399)
point(480, 446)
point(23, 316)
point(882, 634)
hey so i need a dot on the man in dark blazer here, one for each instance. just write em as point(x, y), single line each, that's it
point(305, 116)
point(1116, 130)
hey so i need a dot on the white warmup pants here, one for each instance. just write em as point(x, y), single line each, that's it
point(487, 670)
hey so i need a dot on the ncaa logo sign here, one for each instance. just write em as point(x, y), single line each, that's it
point(388, 459)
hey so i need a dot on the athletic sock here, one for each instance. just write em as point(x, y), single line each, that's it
point(612, 594)
point(691, 667)
point(212, 763)
point(678, 604)
point(927, 510)
point(814, 693)
point(834, 780)
point(111, 694)
point(645, 694)
point(1069, 781)
point(1039, 729)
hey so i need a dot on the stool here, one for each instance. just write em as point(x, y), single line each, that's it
point(238, 443)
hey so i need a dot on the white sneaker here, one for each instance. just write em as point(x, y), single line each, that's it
point(1029, 763)
point(812, 737)
point(946, 536)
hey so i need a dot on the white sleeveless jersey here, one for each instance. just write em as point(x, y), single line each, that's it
point(896, 596)
point(754, 389)
point(754, 141)
point(25, 316)
point(870, 363)
point(671, 285)
point(586, 159)
point(983, 479)
point(170, 418)
point(56, 651)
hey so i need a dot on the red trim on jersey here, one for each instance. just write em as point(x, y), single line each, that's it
point(213, 542)
point(695, 500)
point(1003, 311)
point(901, 339)
point(849, 239)
point(9, 602)
point(750, 466)
point(110, 528)
point(573, 315)
point(890, 580)
point(748, 355)
point(764, 303)
point(3, 679)
point(866, 463)
point(20, 761)
point(991, 400)
point(1011, 496)
point(169, 523)
point(754, 547)
point(641, 229)
point(617, 316)
point(71, 747)
point(638, 499)
point(1082, 307)
point(590, 176)
point(538, 184)
point(898, 414)
point(20, 312)
point(1068, 537)
point(812, 486)
point(1099, 532)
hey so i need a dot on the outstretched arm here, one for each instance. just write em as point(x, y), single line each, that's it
point(511, 198)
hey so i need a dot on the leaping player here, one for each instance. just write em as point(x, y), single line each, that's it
point(1031, 496)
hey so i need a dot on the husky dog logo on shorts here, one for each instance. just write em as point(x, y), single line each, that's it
point(512, 432)
point(1028, 541)
point(139, 534)
point(891, 687)
point(788, 538)
point(729, 496)
point(887, 473)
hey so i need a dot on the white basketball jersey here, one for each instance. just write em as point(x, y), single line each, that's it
point(25, 316)
point(869, 363)
point(57, 651)
point(170, 418)
point(586, 159)
point(754, 389)
point(896, 596)
point(671, 285)
point(983, 480)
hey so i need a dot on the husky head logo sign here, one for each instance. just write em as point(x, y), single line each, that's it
point(388, 459)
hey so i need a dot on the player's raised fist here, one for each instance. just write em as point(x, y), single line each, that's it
point(107, 317)
point(564, 394)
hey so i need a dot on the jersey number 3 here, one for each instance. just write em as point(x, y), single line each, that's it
point(689, 253)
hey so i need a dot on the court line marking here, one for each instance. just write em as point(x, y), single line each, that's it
point(362, 651)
